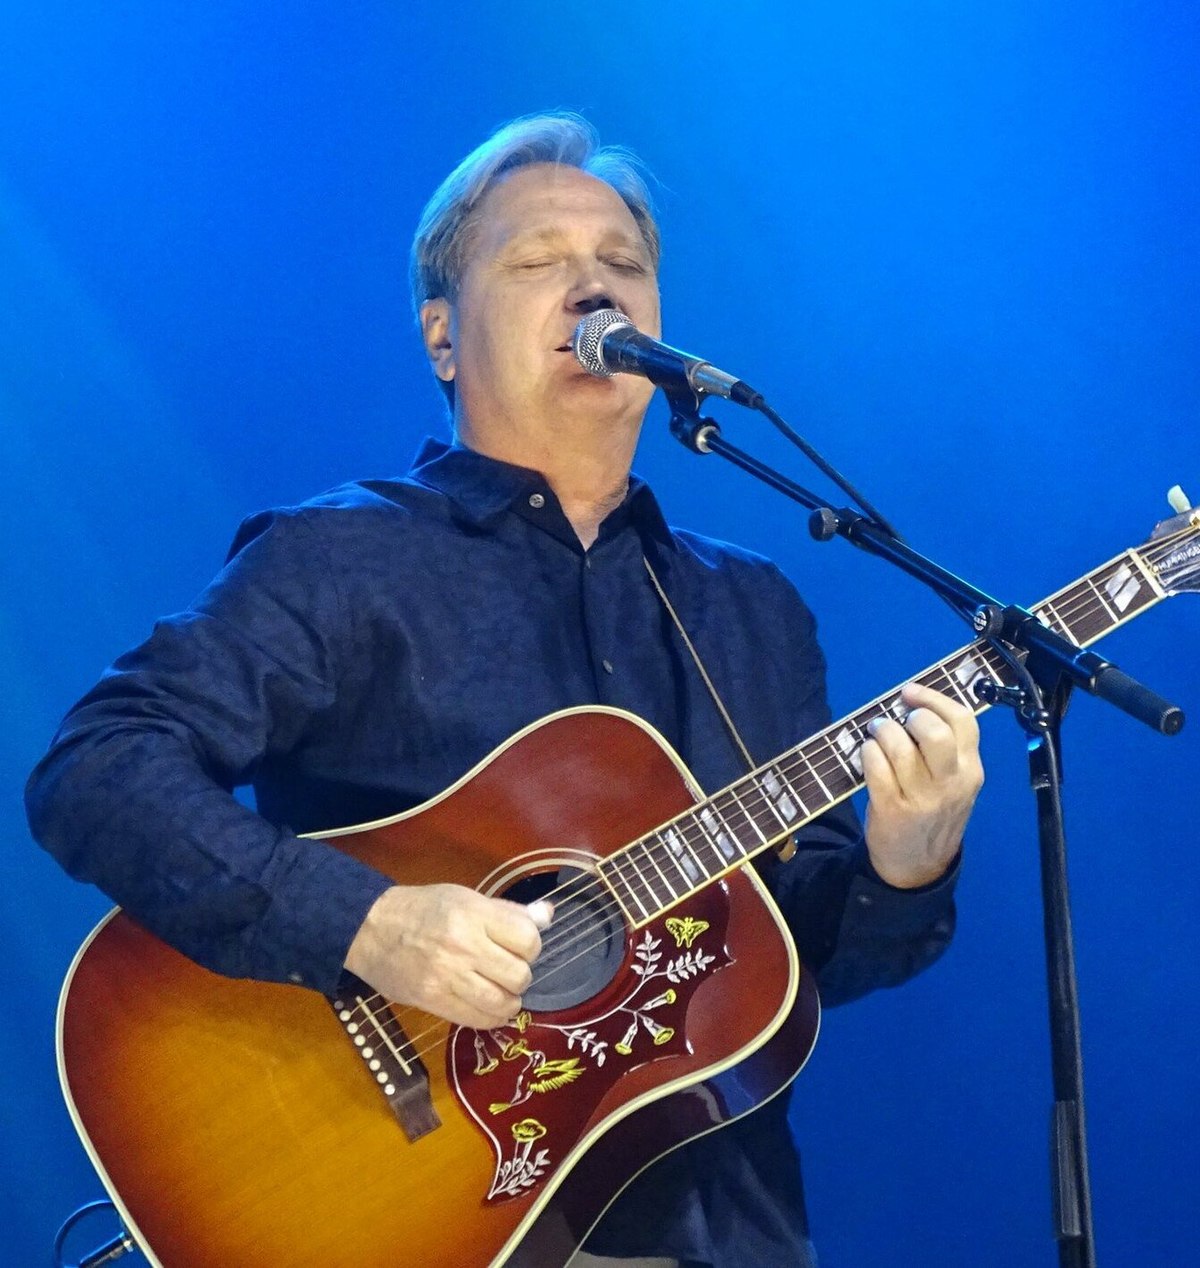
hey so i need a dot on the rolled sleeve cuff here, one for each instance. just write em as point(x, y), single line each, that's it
point(899, 912)
point(319, 898)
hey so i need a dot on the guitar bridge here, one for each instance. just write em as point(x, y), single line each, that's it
point(387, 1055)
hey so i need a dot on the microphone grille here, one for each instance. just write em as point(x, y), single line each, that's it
point(589, 335)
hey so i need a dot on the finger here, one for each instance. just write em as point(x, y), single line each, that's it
point(491, 1002)
point(899, 749)
point(961, 720)
point(878, 774)
point(507, 971)
point(541, 913)
point(511, 926)
point(935, 742)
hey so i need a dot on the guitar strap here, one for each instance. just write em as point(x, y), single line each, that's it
point(787, 847)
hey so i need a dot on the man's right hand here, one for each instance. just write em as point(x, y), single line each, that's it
point(451, 951)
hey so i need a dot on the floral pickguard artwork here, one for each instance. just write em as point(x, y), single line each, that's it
point(532, 1085)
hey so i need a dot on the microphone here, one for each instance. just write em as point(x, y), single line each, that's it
point(606, 342)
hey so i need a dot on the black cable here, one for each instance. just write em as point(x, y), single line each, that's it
point(820, 463)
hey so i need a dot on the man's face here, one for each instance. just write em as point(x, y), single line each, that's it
point(550, 244)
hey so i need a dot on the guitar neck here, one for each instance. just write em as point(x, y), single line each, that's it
point(760, 810)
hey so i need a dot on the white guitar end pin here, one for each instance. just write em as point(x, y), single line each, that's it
point(1178, 500)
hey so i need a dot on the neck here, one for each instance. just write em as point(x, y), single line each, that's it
point(588, 472)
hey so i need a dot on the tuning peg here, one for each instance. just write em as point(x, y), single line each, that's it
point(1178, 500)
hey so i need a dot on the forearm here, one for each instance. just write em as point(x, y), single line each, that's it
point(133, 813)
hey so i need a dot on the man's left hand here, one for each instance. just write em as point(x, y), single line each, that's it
point(923, 778)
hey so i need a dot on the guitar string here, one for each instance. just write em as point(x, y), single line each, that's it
point(390, 1030)
point(836, 765)
point(586, 919)
point(1088, 603)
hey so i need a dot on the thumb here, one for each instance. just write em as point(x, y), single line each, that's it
point(541, 913)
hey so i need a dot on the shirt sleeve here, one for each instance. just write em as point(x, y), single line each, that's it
point(135, 794)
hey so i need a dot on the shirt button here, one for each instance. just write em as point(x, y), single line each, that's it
point(607, 666)
point(537, 501)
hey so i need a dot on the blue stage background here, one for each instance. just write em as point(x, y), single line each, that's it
point(956, 244)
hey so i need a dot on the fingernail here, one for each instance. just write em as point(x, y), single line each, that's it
point(541, 913)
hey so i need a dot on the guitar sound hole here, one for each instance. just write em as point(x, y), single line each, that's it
point(583, 948)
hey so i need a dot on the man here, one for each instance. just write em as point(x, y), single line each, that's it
point(361, 652)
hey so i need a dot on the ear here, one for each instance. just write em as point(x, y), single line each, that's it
point(436, 330)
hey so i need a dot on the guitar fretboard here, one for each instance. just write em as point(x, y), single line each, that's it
point(661, 869)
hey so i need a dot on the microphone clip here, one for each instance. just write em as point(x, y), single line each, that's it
point(692, 431)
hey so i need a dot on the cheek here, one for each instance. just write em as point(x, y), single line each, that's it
point(648, 317)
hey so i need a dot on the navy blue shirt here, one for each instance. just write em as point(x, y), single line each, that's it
point(362, 651)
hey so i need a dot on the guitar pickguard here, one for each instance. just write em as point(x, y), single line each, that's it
point(536, 1086)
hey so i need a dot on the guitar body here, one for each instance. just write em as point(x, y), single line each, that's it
point(237, 1122)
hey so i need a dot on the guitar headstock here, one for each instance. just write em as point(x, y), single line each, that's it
point(1173, 551)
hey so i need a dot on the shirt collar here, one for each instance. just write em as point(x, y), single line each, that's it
point(484, 488)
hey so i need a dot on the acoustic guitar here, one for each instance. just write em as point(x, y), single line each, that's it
point(240, 1123)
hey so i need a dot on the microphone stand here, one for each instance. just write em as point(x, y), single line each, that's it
point(1047, 667)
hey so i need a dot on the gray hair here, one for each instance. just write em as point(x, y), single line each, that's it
point(443, 236)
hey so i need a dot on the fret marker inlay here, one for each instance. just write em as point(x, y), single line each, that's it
point(778, 796)
point(967, 671)
point(847, 741)
point(1122, 587)
point(682, 855)
point(717, 833)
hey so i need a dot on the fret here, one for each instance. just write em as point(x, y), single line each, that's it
point(635, 879)
point(679, 858)
point(1122, 587)
point(966, 672)
point(840, 777)
point(803, 782)
point(781, 796)
point(718, 831)
point(1104, 601)
point(802, 752)
point(719, 860)
point(610, 870)
point(684, 847)
point(1001, 671)
point(1093, 616)
point(1070, 598)
point(1150, 574)
point(681, 850)
point(1057, 622)
point(845, 745)
point(690, 873)
point(897, 710)
point(1129, 590)
point(738, 806)
point(660, 886)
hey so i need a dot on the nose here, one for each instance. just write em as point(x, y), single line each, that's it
point(589, 292)
point(596, 299)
